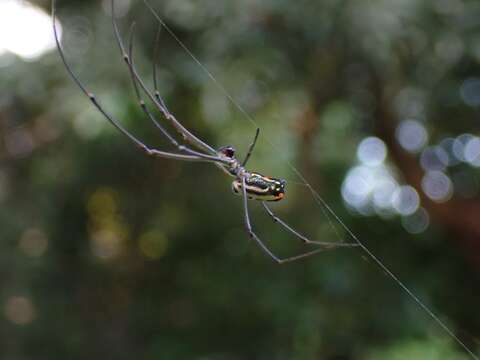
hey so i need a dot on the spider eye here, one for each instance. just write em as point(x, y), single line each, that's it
point(228, 151)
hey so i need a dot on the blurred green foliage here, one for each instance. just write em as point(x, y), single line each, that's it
point(108, 254)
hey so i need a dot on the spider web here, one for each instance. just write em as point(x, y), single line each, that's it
point(328, 212)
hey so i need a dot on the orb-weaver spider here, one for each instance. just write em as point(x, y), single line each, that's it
point(249, 185)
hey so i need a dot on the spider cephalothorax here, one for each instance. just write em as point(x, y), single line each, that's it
point(228, 151)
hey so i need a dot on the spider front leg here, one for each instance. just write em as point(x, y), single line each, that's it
point(187, 135)
point(183, 148)
point(116, 123)
point(265, 249)
point(305, 240)
point(251, 147)
point(155, 80)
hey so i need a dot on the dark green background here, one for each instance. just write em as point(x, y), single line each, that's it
point(148, 258)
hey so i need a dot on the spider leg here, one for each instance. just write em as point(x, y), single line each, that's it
point(155, 80)
point(260, 243)
point(187, 135)
point(324, 245)
point(110, 118)
point(252, 146)
point(147, 112)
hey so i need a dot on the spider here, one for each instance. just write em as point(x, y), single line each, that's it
point(247, 184)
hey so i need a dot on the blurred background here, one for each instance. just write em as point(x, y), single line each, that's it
point(109, 254)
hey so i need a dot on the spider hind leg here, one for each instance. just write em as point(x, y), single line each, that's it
point(260, 243)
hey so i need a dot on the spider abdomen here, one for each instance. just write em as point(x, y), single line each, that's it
point(259, 187)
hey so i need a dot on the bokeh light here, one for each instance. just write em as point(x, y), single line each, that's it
point(459, 144)
point(383, 192)
point(88, 124)
point(472, 151)
point(372, 188)
point(372, 151)
point(19, 310)
point(437, 186)
point(410, 103)
point(416, 222)
point(405, 200)
point(411, 135)
point(434, 158)
point(470, 91)
point(153, 244)
point(447, 145)
point(106, 244)
point(33, 242)
point(358, 186)
point(25, 30)
point(108, 231)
